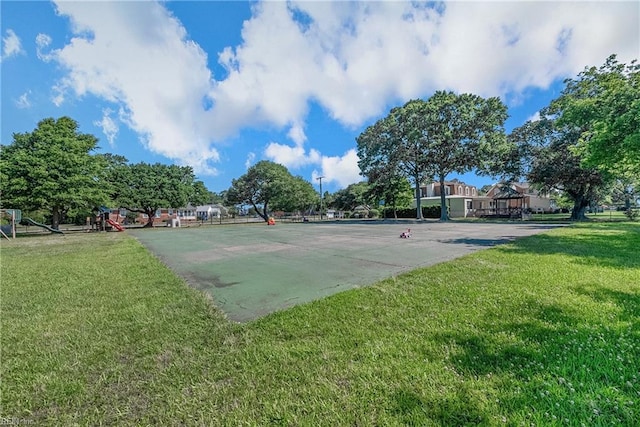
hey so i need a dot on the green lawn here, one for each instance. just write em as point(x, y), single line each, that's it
point(544, 331)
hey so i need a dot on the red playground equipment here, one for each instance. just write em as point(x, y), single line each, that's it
point(115, 225)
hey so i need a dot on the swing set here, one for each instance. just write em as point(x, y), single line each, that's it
point(14, 215)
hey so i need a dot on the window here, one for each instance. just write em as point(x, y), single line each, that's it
point(158, 212)
point(170, 211)
point(466, 191)
point(123, 212)
point(460, 189)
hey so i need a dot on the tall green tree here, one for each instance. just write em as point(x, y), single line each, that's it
point(145, 188)
point(391, 144)
point(625, 191)
point(447, 133)
point(264, 184)
point(461, 133)
point(604, 104)
point(394, 191)
point(353, 196)
point(52, 168)
point(552, 164)
point(201, 195)
point(299, 196)
point(116, 170)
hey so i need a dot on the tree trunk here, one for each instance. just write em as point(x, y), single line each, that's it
point(418, 200)
point(262, 214)
point(151, 214)
point(444, 216)
point(579, 207)
point(55, 217)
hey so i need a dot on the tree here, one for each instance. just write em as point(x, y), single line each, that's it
point(52, 168)
point(462, 133)
point(391, 145)
point(553, 165)
point(434, 138)
point(201, 195)
point(625, 191)
point(116, 170)
point(604, 104)
point(394, 191)
point(351, 197)
point(299, 196)
point(264, 183)
point(147, 188)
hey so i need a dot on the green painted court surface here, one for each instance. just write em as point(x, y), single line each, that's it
point(253, 269)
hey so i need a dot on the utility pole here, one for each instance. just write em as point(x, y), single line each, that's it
point(321, 196)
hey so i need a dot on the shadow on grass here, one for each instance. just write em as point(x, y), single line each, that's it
point(614, 245)
point(554, 348)
point(479, 242)
point(628, 303)
point(413, 410)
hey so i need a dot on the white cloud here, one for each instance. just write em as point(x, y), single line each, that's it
point(355, 59)
point(43, 41)
point(291, 157)
point(342, 170)
point(251, 157)
point(109, 126)
point(535, 117)
point(11, 45)
point(138, 56)
point(23, 101)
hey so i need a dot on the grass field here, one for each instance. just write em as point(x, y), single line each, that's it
point(543, 331)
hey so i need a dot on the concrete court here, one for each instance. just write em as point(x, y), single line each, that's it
point(254, 269)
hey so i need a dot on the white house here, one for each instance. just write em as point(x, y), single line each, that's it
point(205, 212)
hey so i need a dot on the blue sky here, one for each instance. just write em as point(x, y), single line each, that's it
point(222, 85)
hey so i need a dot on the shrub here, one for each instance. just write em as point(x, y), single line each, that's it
point(427, 212)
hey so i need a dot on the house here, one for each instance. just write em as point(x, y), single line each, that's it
point(334, 214)
point(459, 196)
point(206, 212)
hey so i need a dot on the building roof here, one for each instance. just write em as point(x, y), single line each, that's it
point(506, 192)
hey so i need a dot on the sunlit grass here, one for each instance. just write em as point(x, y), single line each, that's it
point(544, 331)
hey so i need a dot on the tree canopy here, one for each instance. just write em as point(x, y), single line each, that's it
point(434, 138)
point(551, 164)
point(145, 188)
point(604, 104)
point(52, 168)
point(267, 186)
point(392, 190)
point(391, 145)
point(351, 197)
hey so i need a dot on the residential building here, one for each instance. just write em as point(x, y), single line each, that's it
point(459, 197)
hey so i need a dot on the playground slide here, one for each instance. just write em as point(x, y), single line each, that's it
point(37, 224)
point(115, 225)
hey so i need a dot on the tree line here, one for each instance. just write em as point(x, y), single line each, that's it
point(585, 143)
point(56, 169)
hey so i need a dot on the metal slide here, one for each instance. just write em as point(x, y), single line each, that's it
point(37, 224)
